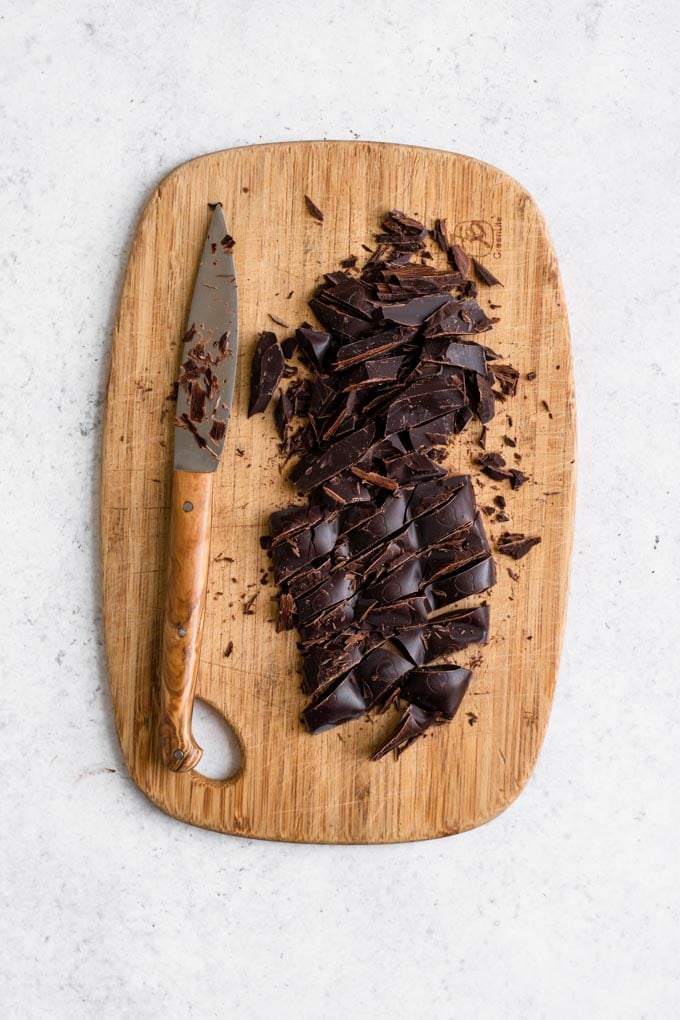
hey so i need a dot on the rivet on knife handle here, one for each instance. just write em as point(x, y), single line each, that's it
point(204, 397)
point(190, 516)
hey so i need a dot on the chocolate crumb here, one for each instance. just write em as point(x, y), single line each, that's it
point(279, 322)
point(229, 649)
point(313, 209)
point(471, 718)
point(513, 575)
point(531, 376)
point(248, 605)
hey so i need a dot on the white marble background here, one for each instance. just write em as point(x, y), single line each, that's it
point(565, 906)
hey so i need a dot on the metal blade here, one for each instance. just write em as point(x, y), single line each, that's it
point(208, 356)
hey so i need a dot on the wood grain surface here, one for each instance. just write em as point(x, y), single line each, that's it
point(293, 786)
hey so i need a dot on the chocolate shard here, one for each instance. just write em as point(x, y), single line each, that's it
point(441, 235)
point(283, 413)
point(313, 209)
point(482, 397)
point(374, 372)
point(267, 369)
point(414, 722)
point(341, 491)
point(463, 354)
point(315, 346)
point(323, 664)
point(413, 467)
point(460, 259)
point(378, 673)
point(336, 458)
point(340, 704)
point(337, 588)
point(516, 544)
point(506, 376)
point(286, 522)
point(457, 318)
point(471, 581)
point(416, 311)
point(436, 688)
point(397, 222)
point(450, 632)
point(338, 321)
point(423, 401)
point(485, 275)
point(372, 346)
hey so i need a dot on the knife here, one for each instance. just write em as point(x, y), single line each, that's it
point(204, 399)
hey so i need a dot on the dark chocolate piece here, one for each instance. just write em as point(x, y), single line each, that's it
point(506, 376)
point(459, 259)
point(485, 275)
point(414, 722)
point(436, 688)
point(516, 544)
point(416, 311)
point(340, 704)
point(378, 673)
point(471, 581)
point(315, 346)
point(313, 209)
point(267, 369)
point(336, 458)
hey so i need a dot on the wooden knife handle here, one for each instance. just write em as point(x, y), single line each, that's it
point(189, 551)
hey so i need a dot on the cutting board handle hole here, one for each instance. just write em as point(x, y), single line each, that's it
point(222, 755)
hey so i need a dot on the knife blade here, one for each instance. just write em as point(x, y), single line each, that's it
point(205, 391)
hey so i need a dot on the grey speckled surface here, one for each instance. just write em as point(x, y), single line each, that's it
point(565, 906)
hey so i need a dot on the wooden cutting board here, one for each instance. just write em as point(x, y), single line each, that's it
point(293, 786)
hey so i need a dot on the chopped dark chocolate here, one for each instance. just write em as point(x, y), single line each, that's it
point(436, 688)
point(516, 544)
point(267, 369)
point(387, 542)
point(459, 259)
point(484, 274)
point(414, 722)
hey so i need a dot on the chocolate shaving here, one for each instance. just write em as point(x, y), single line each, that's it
point(286, 613)
point(313, 209)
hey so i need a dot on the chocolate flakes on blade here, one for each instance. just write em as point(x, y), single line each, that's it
point(370, 567)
